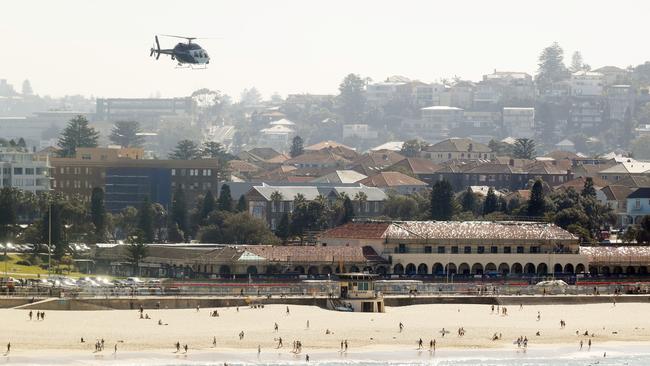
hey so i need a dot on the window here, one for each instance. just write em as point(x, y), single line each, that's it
point(441, 250)
point(637, 203)
point(85, 157)
point(467, 250)
point(173, 172)
point(401, 248)
point(534, 249)
point(29, 171)
point(427, 249)
point(507, 250)
point(520, 249)
point(18, 171)
point(494, 250)
point(454, 250)
point(480, 249)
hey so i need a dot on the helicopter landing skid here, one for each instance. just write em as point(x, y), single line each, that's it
point(193, 67)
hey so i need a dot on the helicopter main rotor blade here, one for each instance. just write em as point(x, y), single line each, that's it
point(170, 35)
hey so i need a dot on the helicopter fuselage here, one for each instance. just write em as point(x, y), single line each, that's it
point(190, 53)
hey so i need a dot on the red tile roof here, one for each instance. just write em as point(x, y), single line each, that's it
point(358, 230)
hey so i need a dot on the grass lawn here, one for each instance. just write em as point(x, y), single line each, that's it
point(22, 271)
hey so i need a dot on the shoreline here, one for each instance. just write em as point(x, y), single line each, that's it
point(380, 355)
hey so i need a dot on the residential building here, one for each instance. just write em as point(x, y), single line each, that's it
point(586, 114)
point(470, 248)
point(638, 206)
point(373, 162)
point(586, 83)
point(519, 122)
point(148, 111)
point(615, 197)
point(395, 87)
point(423, 169)
point(340, 176)
point(277, 136)
point(612, 75)
point(427, 94)
point(395, 182)
point(261, 203)
point(457, 149)
point(361, 131)
point(24, 170)
point(435, 122)
point(511, 85)
point(627, 168)
point(320, 159)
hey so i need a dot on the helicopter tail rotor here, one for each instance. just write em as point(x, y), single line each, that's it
point(155, 50)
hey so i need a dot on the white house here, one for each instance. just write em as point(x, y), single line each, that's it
point(586, 83)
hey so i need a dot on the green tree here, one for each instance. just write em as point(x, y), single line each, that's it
point(250, 97)
point(242, 205)
point(145, 221)
point(577, 63)
point(8, 213)
point(401, 207)
point(178, 228)
point(491, 203)
point(442, 201)
point(136, 250)
point(348, 210)
point(224, 202)
point(283, 230)
point(411, 148)
point(242, 228)
point(468, 200)
point(352, 100)
point(98, 214)
point(588, 190)
point(215, 150)
point(186, 150)
point(500, 148)
point(127, 134)
point(77, 134)
point(641, 147)
point(524, 149)
point(208, 205)
point(551, 66)
point(536, 204)
point(297, 147)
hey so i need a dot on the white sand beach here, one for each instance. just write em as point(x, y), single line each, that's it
point(61, 331)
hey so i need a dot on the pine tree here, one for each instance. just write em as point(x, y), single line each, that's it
point(490, 205)
point(126, 134)
point(145, 221)
point(551, 66)
point(242, 205)
point(352, 98)
point(536, 205)
point(297, 147)
point(178, 216)
point(207, 206)
point(468, 201)
point(224, 203)
point(524, 149)
point(98, 213)
point(442, 201)
point(77, 134)
point(588, 190)
point(283, 230)
point(185, 150)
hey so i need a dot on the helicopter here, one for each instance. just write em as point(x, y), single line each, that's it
point(184, 53)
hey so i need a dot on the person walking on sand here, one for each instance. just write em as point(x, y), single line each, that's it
point(280, 342)
point(287, 310)
point(214, 342)
point(346, 345)
point(307, 358)
point(259, 350)
point(589, 345)
point(275, 328)
point(539, 316)
point(581, 344)
point(420, 344)
point(8, 347)
point(341, 346)
point(115, 351)
point(185, 348)
point(30, 315)
point(401, 327)
point(178, 347)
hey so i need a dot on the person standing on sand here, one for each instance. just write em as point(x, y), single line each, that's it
point(30, 315)
point(115, 349)
point(178, 347)
point(420, 344)
point(185, 348)
point(346, 345)
point(307, 358)
point(287, 310)
point(259, 350)
point(214, 342)
point(401, 327)
point(275, 328)
point(341, 346)
point(8, 347)
point(589, 345)
point(581, 345)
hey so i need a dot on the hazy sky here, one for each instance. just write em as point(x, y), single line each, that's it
point(102, 47)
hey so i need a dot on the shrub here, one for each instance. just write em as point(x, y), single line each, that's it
point(24, 262)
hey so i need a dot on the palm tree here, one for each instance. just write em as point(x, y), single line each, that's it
point(361, 198)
